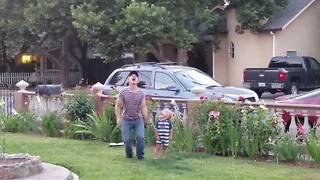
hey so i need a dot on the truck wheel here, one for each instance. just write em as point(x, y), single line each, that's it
point(259, 93)
point(293, 88)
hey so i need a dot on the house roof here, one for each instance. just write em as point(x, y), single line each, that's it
point(282, 19)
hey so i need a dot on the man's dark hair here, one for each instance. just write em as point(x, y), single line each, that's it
point(134, 72)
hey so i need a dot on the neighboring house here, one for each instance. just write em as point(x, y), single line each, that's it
point(296, 29)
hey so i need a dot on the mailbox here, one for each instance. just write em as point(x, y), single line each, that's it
point(48, 90)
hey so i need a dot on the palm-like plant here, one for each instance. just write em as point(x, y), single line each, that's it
point(99, 126)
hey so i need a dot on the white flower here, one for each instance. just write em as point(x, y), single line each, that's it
point(173, 102)
point(263, 107)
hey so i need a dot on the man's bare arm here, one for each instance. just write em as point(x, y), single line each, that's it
point(118, 110)
point(144, 111)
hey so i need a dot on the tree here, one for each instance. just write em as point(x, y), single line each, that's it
point(54, 19)
point(120, 26)
point(14, 35)
point(250, 13)
point(139, 26)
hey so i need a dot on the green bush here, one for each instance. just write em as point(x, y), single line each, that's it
point(287, 149)
point(313, 147)
point(51, 125)
point(23, 123)
point(78, 106)
point(218, 134)
point(257, 131)
point(183, 136)
point(99, 126)
point(150, 135)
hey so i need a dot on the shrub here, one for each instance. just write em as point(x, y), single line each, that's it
point(287, 149)
point(218, 124)
point(258, 131)
point(78, 106)
point(313, 147)
point(234, 138)
point(150, 135)
point(24, 122)
point(99, 126)
point(183, 136)
point(51, 125)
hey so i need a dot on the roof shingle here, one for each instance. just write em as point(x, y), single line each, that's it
point(279, 20)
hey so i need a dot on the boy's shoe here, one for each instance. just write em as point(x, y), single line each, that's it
point(140, 158)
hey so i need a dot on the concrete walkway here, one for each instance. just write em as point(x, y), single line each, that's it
point(53, 172)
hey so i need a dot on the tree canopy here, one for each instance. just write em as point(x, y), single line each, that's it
point(118, 26)
point(112, 27)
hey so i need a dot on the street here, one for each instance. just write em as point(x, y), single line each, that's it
point(269, 98)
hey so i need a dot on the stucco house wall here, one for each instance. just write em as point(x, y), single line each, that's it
point(302, 34)
point(220, 61)
point(255, 50)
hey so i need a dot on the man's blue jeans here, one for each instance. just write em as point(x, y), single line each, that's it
point(138, 126)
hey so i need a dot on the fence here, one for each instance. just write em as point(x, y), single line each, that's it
point(7, 99)
point(184, 107)
point(52, 76)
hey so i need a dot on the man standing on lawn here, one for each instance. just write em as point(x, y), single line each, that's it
point(130, 109)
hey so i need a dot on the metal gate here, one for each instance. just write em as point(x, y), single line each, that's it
point(7, 99)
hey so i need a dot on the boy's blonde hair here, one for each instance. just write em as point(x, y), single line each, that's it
point(167, 113)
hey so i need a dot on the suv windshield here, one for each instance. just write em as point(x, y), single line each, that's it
point(191, 78)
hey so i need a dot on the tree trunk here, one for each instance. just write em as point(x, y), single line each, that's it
point(64, 58)
point(84, 61)
point(182, 57)
point(156, 50)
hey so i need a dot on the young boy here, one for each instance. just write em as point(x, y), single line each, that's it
point(163, 133)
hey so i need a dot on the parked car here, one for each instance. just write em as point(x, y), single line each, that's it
point(168, 80)
point(287, 74)
point(308, 98)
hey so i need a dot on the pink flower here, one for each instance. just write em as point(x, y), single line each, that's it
point(203, 98)
point(214, 114)
point(300, 129)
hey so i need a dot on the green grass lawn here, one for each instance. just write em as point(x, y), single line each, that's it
point(94, 161)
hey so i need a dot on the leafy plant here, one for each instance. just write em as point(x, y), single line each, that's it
point(78, 106)
point(213, 119)
point(313, 147)
point(99, 126)
point(24, 122)
point(150, 135)
point(257, 131)
point(183, 137)
point(51, 124)
point(250, 147)
point(234, 138)
point(287, 149)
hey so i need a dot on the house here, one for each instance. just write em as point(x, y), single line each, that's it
point(295, 29)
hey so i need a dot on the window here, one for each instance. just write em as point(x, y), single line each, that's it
point(163, 81)
point(144, 79)
point(119, 78)
point(231, 50)
point(279, 62)
point(313, 64)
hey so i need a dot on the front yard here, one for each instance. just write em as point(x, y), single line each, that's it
point(93, 160)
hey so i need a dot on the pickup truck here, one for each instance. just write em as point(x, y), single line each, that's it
point(287, 74)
